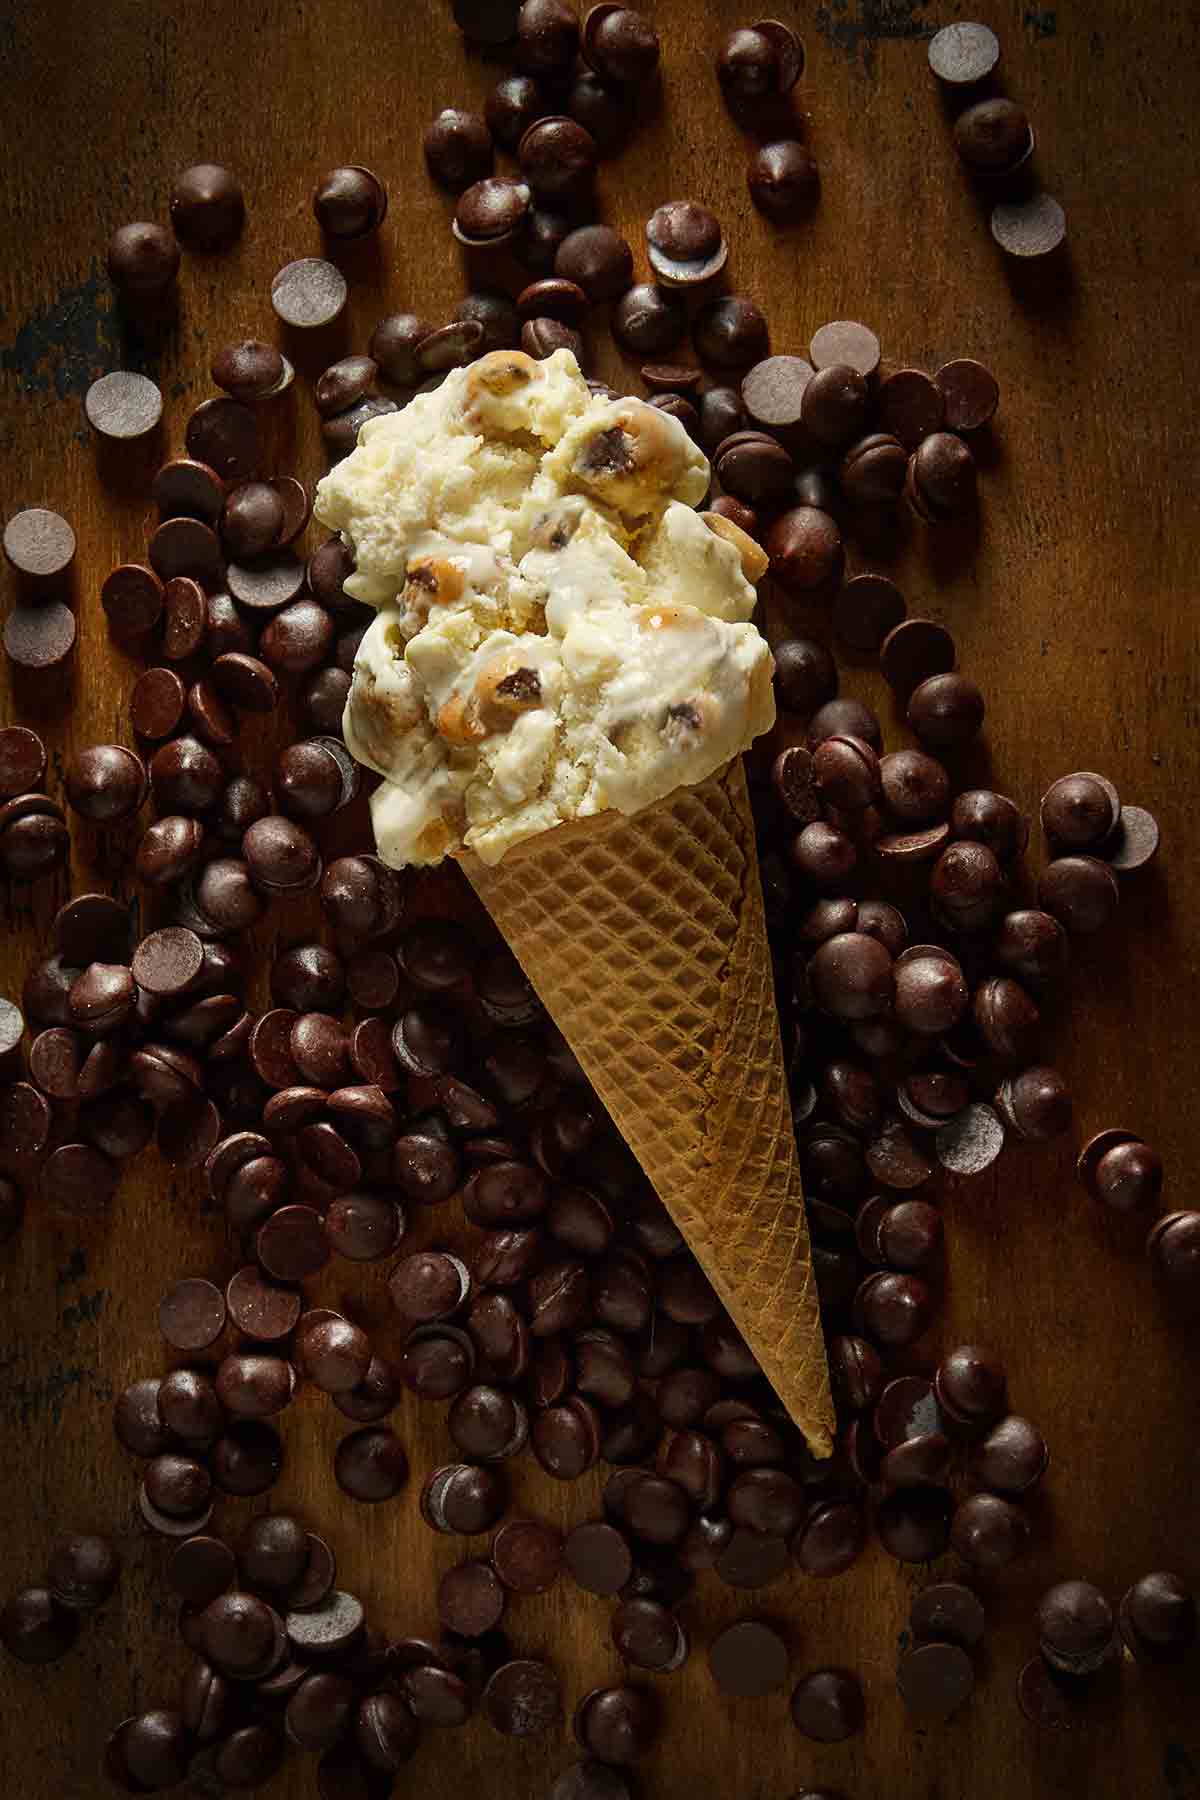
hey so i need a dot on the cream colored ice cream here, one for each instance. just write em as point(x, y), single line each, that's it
point(558, 631)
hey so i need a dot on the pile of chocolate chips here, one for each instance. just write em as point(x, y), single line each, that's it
point(579, 1324)
point(995, 140)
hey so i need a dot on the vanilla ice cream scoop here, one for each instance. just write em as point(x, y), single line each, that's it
point(559, 632)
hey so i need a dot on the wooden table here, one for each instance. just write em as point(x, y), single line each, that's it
point(1074, 606)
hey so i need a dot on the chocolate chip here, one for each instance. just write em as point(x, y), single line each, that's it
point(349, 202)
point(962, 54)
point(867, 608)
point(248, 1459)
point(1029, 228)
point(253, 1385)
point(296, 504)
point(224, 435)
point(590, 1781)
point(497, 316)
point(393, 347)
point(252, 518)
point(617, 1724)
point(1012, 1458)
point(308, 293)
point(914, 651)
point(621, 44)
point(168, 961)
point(602, 107)
point(489, 212)
point(537, 245)
point(749, 1659)
point(970, 394)
point(874, 470)
point(512, 106)
point(191, 1314)
point(648, 1635)
point(1158, 1618)
point(22, 761)
point(268, 582)
point(83, 1571)
point(1134, 842)
point(323, 700)
point(845, 343)
point(751, 1559)
point(39, 637)
point(156, 704)
point(123, 405)
point(1081, 892)
point(207, 207)
point(142, 259)
point(261, 1309)
point(328, 1628)
point(935, 1679)
point(522, 1698)
point(547, 36)
point(941, 479)
point(993, 136)
point(458, 149)
point(470, 1598)
point(186, 547)
point(39, 544)
point(773, 390)
point(784, 181)
point(250, 370)
point(334, 1353)
point(730, 332)
point(106, 783)
point(910, 406)
point(291, 1243)
point(834, 403)
point(558, 157)
point(598, 259)
point(685, 244)
point(757, 62)
point(648, 320)
point(542, 337)
point(805, 547)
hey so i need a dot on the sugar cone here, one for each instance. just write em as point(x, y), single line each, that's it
point(646, 940)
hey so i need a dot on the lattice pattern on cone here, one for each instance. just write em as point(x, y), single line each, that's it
point(646, 940)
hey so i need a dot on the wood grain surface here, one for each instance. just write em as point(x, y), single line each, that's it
point(1073, 604)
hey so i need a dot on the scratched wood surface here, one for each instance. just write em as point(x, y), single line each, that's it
point(1073, 605)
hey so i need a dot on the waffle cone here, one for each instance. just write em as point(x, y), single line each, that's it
point(646, 940)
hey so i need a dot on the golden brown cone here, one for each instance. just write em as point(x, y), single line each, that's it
point(646, 940)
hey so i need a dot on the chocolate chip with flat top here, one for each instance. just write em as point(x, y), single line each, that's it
point(41, 636)
point(749, 1659)
point(935, 1679)
point(191, 1314)
point(1029, 228)
point(308, 293)
point(39, 544)
point(123, 405)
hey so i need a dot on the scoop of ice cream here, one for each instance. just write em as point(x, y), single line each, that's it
point(455, 464)
point(559, 633)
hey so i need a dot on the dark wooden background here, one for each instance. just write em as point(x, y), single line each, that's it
point(1075, 609)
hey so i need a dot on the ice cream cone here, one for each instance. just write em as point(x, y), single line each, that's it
point(646, 940)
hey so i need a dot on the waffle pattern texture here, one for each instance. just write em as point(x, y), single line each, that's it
point(646, 940)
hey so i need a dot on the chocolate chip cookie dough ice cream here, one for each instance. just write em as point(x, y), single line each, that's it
point(556, 688)
point(559, 631)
